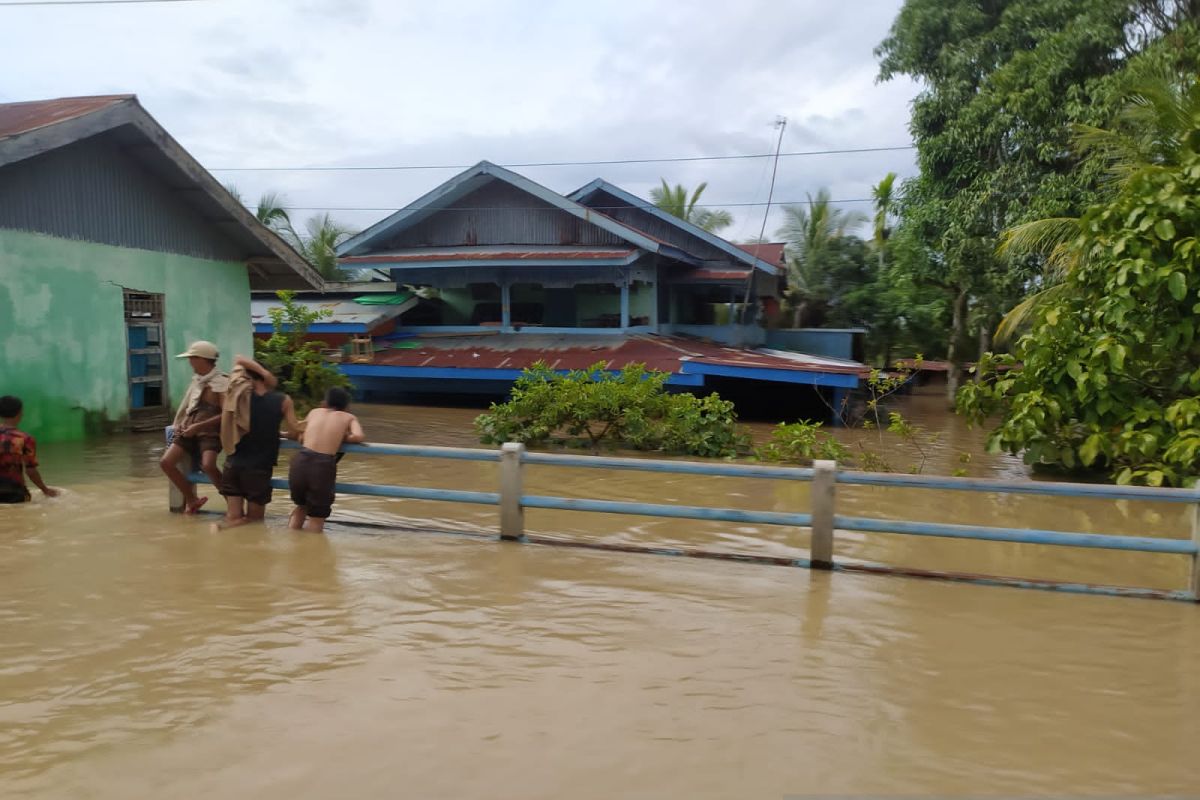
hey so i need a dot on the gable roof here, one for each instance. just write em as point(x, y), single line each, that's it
point(468, 181)
point(601, 185)
point(771, 252)
point(32, 128)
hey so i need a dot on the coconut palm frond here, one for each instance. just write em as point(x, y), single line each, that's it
point(1019, 317)
point(271, 211)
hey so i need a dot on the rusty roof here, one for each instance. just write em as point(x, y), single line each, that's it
point(18, 118)
point(663, 353)
point(770, 252)
point(508, 254)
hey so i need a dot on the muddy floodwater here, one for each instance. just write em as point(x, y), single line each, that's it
point(142, 655)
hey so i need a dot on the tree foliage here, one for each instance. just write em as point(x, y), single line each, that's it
point(1004, 83)
point(594, 408)
point(295, 360)
point(1108, 376)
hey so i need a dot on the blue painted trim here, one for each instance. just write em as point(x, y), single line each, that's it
point(767, 374)
point(451, 373)
point(461, 184)
point(470, 373)
point(674, 467)
point(495, 262)
point(716, 241)
point(1100, 491)
point(1101, 541)
point(672, 511)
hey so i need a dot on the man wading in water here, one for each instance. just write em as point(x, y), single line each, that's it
point(197, 428)
point(314, 469)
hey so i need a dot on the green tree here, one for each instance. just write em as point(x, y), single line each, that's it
point(1003, 83)
point(676, 202)
point(1108, 377)
point(816, 236)
point(295, 359)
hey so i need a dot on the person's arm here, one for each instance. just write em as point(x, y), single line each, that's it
point(36, 477)
point(355, 434)
point(249, 363)
point(295, 427)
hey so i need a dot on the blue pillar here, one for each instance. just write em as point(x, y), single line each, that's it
point(625, 304)
point(505, 307)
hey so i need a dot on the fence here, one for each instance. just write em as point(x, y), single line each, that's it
point(822, 520)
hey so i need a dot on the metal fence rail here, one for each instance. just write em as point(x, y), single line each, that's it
point(822, 521)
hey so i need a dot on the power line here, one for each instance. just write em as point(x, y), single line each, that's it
point(678, 159)
point(87, 2)
point(594, 208)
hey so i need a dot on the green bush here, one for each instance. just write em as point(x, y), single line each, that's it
point(594, 407)
point(802, 442)
point(295, 361)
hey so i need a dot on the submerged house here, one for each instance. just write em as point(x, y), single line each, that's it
point(117, 249)
point(511, 272)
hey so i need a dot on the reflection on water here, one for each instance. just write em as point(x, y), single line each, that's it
point(142, 655)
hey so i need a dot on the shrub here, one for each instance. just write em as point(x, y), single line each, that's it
point(594, 407)
point(297, 362)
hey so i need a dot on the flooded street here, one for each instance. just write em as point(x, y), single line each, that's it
point(143, 656)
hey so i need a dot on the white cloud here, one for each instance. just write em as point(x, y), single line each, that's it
point(369, 82)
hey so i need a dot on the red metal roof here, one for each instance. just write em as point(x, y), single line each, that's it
point(664, 353)
point(717, 274)
point(770, 252)
point(24, 117)
point(489, 255)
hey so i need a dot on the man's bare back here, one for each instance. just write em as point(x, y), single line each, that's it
point(325, 430)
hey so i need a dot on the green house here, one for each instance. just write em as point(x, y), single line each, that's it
point(117, 249)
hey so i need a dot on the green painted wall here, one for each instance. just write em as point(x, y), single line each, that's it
point(642, 300)
point(62, 329)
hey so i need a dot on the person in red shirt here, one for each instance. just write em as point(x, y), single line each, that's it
point(18, 455)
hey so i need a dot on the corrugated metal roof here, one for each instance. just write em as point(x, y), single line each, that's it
point(473, 254)
point(24, 117)
point(664, 353)
point(344, 311)
point(771, 252)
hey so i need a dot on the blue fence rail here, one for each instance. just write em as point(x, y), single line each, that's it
point(822, 519)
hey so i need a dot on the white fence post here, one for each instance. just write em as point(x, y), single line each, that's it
point(512, 516)
point(824, 486)
point(1195, 581)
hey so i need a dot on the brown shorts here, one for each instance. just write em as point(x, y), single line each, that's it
point(198, 445)
point(310, 481)
point(252, 484)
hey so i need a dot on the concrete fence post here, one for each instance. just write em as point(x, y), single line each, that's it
point(1194, 584)
point(512, 515)
point(824, 486)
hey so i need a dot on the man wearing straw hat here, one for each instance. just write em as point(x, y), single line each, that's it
point(197, 429)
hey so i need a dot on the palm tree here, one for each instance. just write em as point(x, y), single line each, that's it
point(319, 244)
point(1147, 133)
point(675, 201)
point(272, 213)
point(811, 233)
point(884, 196)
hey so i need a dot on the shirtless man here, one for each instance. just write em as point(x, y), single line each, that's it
point(197, 427)
point(314, 469)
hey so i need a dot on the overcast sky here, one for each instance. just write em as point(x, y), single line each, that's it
point(288, 83)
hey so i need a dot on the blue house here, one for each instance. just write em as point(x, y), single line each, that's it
point(511, 272)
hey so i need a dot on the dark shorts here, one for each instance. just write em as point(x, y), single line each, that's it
point(310, 480)
point(252, 484)
point(13, 492)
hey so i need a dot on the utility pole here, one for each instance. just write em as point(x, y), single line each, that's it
point(781, 124)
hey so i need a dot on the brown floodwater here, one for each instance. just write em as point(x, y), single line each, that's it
point(142, 655)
